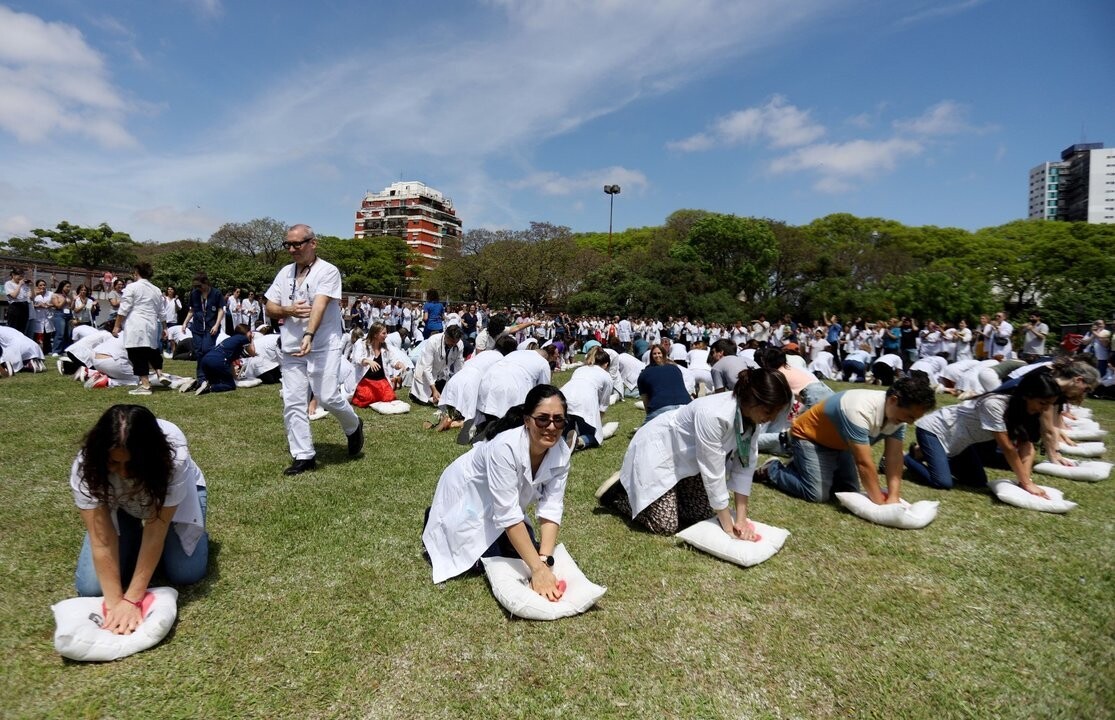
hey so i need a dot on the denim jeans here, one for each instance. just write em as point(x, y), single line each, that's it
point(61, 332)
point(815, 472)
point(854, 367)
point(175, 565)
point(941, 471)
point(655, 413)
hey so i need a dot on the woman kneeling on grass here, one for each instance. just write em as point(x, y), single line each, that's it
point(134, 480)
point(479, 507)
point(680, 466)
point(956, 442)
point(831, 443)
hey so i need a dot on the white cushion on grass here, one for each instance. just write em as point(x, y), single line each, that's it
point(395, 407)
point(78, 635)
point(609, 429)
point(174, 385)
point(249, 382)
point(1080, 412)
point(1089, 470)
point(1079, 434)
point(901, 514)
point(639, 404)
point(1084, 449)
point(708, 536)
point(1012, 494)
point(510, 580)
point(1081, 423)
point(571, 366)
point(615, 398)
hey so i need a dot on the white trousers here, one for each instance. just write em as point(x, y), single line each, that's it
point(318, 372)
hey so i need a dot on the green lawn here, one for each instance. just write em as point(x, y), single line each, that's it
point(319, 603)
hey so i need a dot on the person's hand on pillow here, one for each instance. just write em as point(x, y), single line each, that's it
point(123, 618)
point(1032, 488)
point(543, 582)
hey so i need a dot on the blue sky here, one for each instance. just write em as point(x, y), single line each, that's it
point(166, 119)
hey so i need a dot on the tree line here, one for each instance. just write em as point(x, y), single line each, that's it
point(244, 255)
point(723, 268)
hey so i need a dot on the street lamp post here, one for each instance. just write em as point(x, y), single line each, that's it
point(612, 191)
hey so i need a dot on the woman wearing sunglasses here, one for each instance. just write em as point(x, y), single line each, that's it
point(480, 505)
point(680, 466)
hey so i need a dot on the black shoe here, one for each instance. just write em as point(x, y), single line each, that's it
point(762, 473)
point(356, 440)
point(300, 466)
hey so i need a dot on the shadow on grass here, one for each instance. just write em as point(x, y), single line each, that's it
point(335, 454)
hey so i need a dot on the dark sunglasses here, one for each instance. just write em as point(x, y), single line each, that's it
point(294, 245)
point(544, 421)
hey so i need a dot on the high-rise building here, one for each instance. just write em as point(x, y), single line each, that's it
point(1079, 188)
point(414, 212)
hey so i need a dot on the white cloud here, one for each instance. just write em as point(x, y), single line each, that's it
point(839, 164)
point(936, 10)
point(177, 222)
point(209, 9)
point(16, 225)
point(52, 81)
point(945, 118)
point(551, 183)
point(778, 123)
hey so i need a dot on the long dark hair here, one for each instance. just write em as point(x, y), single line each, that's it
point(517, 414)
point(133, 428)
point(763, 387)
point(1036, 384)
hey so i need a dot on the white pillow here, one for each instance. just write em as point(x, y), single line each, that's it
point(571, 366)
point(898, 515)
point(609, 429)
point(395, 407)
point(510, 580)
point(177, 384)
point(615, 398)
point(1081, 423)
point(640, 405)
point(1080, 412)
point(708, 536)
point(1084, 449)
point(1079, 434)
point(78, 635)
point(249, 382)
point(1089, 470)
point(1012, 494)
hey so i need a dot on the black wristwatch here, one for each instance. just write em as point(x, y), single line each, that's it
point(548, 559)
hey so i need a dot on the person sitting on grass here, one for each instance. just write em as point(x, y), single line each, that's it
point(480, 504)
point(831, 443)
point(680, 467)
point(217, 363)
point(955, 443)
point(143, 501)
point(589, 392)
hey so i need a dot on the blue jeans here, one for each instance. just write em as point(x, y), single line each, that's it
point(655, 413)
point(815, 472)
point(178, 567)
point(941, 471)
point(854, 367)
point(62, 333)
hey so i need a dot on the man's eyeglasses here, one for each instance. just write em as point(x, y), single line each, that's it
point(294, 245)
point(544, 421)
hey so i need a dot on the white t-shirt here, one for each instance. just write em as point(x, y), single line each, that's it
point(322, 279)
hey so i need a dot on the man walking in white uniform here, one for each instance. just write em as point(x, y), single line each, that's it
point(305, 296)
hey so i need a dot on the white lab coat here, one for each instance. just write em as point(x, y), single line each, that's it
point(487, 490)
point(434, 363)
point(587, 394)
point(463, 389)
point(142, 305)
point(507, 383)
point(698, 438)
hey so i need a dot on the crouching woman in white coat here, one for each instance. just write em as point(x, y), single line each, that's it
point(479, 507)
point(680, 466)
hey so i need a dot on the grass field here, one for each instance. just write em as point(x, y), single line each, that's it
point(319, 603)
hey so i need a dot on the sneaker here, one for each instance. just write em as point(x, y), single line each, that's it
point(140, 391)
point(606, 486)
point(96, 380)
point(38, 366)
point(762, 473)
point(165, 381)
point(188, 385)
point(356, 440)
point(202, 388)
point(81, 374)
point(300, 466)
point(60, 366)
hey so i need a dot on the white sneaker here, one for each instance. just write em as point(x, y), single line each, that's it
point(82, 374)
point(187, 385)
point(202, 388)
point(140, 391)
point(606, 486)
point(60, 370)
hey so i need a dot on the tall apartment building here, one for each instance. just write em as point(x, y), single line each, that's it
point(414, 212)
point(1079, 188)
